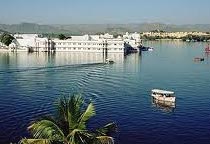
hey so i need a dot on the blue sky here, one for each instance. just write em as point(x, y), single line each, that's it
point(105, 11)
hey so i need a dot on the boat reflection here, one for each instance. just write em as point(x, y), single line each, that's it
point(164, 105)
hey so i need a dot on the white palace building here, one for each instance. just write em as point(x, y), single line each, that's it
point(85, 43)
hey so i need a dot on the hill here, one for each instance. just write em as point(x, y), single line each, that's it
point(78, 29)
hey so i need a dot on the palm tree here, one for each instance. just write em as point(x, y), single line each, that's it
point(69, 126)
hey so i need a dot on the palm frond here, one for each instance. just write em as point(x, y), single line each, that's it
point(87, 114)
point(34, 141)
point(69, 110)
point(62, 108)
point(46, 129)
point(75, 104)
point(78, 136)
point(108, 128)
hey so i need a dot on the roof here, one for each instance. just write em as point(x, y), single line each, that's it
point(162, 91)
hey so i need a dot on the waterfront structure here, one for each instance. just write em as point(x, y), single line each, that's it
point(86, 43)
point(33, 42)
point(90, 43)
point(132, 40)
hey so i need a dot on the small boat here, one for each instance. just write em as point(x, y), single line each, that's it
point(163, 95)
point(143, 48)
point(108, 61)
point(150, 49)
point(198, 59)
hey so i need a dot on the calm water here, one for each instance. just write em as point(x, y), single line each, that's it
point(30, 84)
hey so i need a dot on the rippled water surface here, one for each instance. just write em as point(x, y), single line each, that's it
point(31, 83)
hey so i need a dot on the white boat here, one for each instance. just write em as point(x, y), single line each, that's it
point(109, 61)
point(150, 49)
point(163, 95)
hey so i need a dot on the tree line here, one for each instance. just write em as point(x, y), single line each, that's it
point(196, 38)
point(185, 38)
point(6, 39)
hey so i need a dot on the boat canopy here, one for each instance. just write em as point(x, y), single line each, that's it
point(162, 92)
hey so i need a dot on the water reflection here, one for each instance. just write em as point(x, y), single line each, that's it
point(24, 59)
point(163, 105)
point(207, 54)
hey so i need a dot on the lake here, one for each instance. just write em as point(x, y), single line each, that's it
point(30, 83)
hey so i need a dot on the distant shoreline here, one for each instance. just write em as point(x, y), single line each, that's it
point(163, 40)
point(172, 40)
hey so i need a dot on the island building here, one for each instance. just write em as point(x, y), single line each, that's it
point(86, 43)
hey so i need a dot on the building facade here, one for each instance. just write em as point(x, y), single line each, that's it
point(88, 43)
point(85, 43)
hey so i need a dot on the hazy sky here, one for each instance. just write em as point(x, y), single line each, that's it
point(105, 11)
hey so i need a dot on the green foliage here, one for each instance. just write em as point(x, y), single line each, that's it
point(99, 33)
point(116, 35)
point(158, 31)
point(61, 36)
point(34, 141)
point(69, 125)
point(6, 39)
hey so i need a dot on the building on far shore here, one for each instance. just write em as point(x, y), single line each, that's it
point(177, 35)
point(85, 43)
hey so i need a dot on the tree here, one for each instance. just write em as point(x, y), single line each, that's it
point(61, 36)
point(100, 33)
point(69, 126)
point(6, 39)
point(115, 35)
